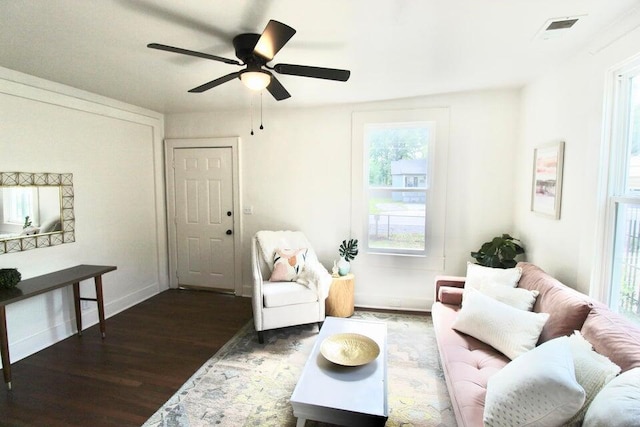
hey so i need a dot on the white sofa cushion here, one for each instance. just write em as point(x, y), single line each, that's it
point(593, 371)
point(278, 294)
point(477, 275)
point(507, 329)
point(538, 388)
point(522, 299)
point(617, 404)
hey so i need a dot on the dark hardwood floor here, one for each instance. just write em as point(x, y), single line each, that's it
point(149, 352)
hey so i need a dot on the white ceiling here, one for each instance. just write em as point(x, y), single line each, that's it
point(394, 49)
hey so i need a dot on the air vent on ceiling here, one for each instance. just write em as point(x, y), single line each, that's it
point(557, 27)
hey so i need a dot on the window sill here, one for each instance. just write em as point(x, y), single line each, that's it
point(403, 261)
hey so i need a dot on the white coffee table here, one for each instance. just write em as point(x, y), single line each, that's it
point(343, 395)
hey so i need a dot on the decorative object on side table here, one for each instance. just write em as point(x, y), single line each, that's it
point(9, 278)
point(335, 270)
point(348, 251)
point(500, 252)
point(340, 301)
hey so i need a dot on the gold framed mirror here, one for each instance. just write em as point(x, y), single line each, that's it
point(29, 215)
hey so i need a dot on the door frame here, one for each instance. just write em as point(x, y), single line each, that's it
point(227, 142)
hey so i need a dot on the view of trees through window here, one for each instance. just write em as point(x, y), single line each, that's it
point(397, 186)
point(625, 289)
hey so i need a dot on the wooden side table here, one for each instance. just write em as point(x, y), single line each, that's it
point(340, 303)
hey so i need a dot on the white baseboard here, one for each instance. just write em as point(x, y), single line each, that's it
point(385, 302)
point(247, 291)
point(45, 338)
point(384, 307)
point(121, 304)
point(381, 302)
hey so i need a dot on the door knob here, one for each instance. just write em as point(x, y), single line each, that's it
point(228, 213)
point(229, 232)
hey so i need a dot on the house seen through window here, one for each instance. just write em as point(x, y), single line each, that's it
point(397, 187)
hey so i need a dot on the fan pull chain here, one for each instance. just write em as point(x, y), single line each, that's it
point(251, 110)
point(261, 127)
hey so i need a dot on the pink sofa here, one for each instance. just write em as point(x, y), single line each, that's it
point(469, 363)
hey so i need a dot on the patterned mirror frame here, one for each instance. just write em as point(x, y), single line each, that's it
point(67, 217)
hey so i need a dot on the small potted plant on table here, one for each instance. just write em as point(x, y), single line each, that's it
point(9, 278)
point(348, 251)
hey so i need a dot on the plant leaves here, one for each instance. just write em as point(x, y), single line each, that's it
point(499, 252)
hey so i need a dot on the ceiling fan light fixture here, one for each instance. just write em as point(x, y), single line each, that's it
point(255, 80)
point(254, 51)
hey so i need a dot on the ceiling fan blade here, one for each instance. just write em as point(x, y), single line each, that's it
point(273, 38)
point(315, 72)
point(216, 82)
point(276, 89)
point(192, 53)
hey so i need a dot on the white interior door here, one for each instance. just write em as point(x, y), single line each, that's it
point(204, 217)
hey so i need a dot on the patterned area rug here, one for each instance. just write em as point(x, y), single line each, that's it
point(249, 384)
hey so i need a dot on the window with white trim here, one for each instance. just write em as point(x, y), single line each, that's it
point(622, 289)
point(399, 161)
point(19, 203)
point(397, 166)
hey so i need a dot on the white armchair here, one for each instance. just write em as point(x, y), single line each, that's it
point(286, 303)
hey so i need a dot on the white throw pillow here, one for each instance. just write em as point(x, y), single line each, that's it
point(478, 275)
point(520, 298)
point(593, 371)
point(537, 389)
point(507, 329)
point(617, 404)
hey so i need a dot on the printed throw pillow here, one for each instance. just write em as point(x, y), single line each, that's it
point(478, 275)
point(287, 264)
point(538, 388)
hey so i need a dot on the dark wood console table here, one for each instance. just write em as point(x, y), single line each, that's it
point(48, 282)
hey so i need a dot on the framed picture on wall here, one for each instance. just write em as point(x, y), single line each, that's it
point(546, 194)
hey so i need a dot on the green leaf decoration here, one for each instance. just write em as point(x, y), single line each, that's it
point(348, 249)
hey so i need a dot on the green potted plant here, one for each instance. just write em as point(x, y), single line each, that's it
point(500, 252)
point(9, 278)
point(348, 251)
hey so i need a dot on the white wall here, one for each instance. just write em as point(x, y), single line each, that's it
point(296, 174)
point(567, 104)
point(114, 152)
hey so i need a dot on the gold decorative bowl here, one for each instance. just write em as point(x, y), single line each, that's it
point(349, 349)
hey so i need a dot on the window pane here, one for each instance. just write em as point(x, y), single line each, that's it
point(17, 204)
point(633, 169)
point(398, 183)
point(625, 286)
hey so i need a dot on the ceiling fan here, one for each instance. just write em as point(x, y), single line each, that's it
point(254, 51)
